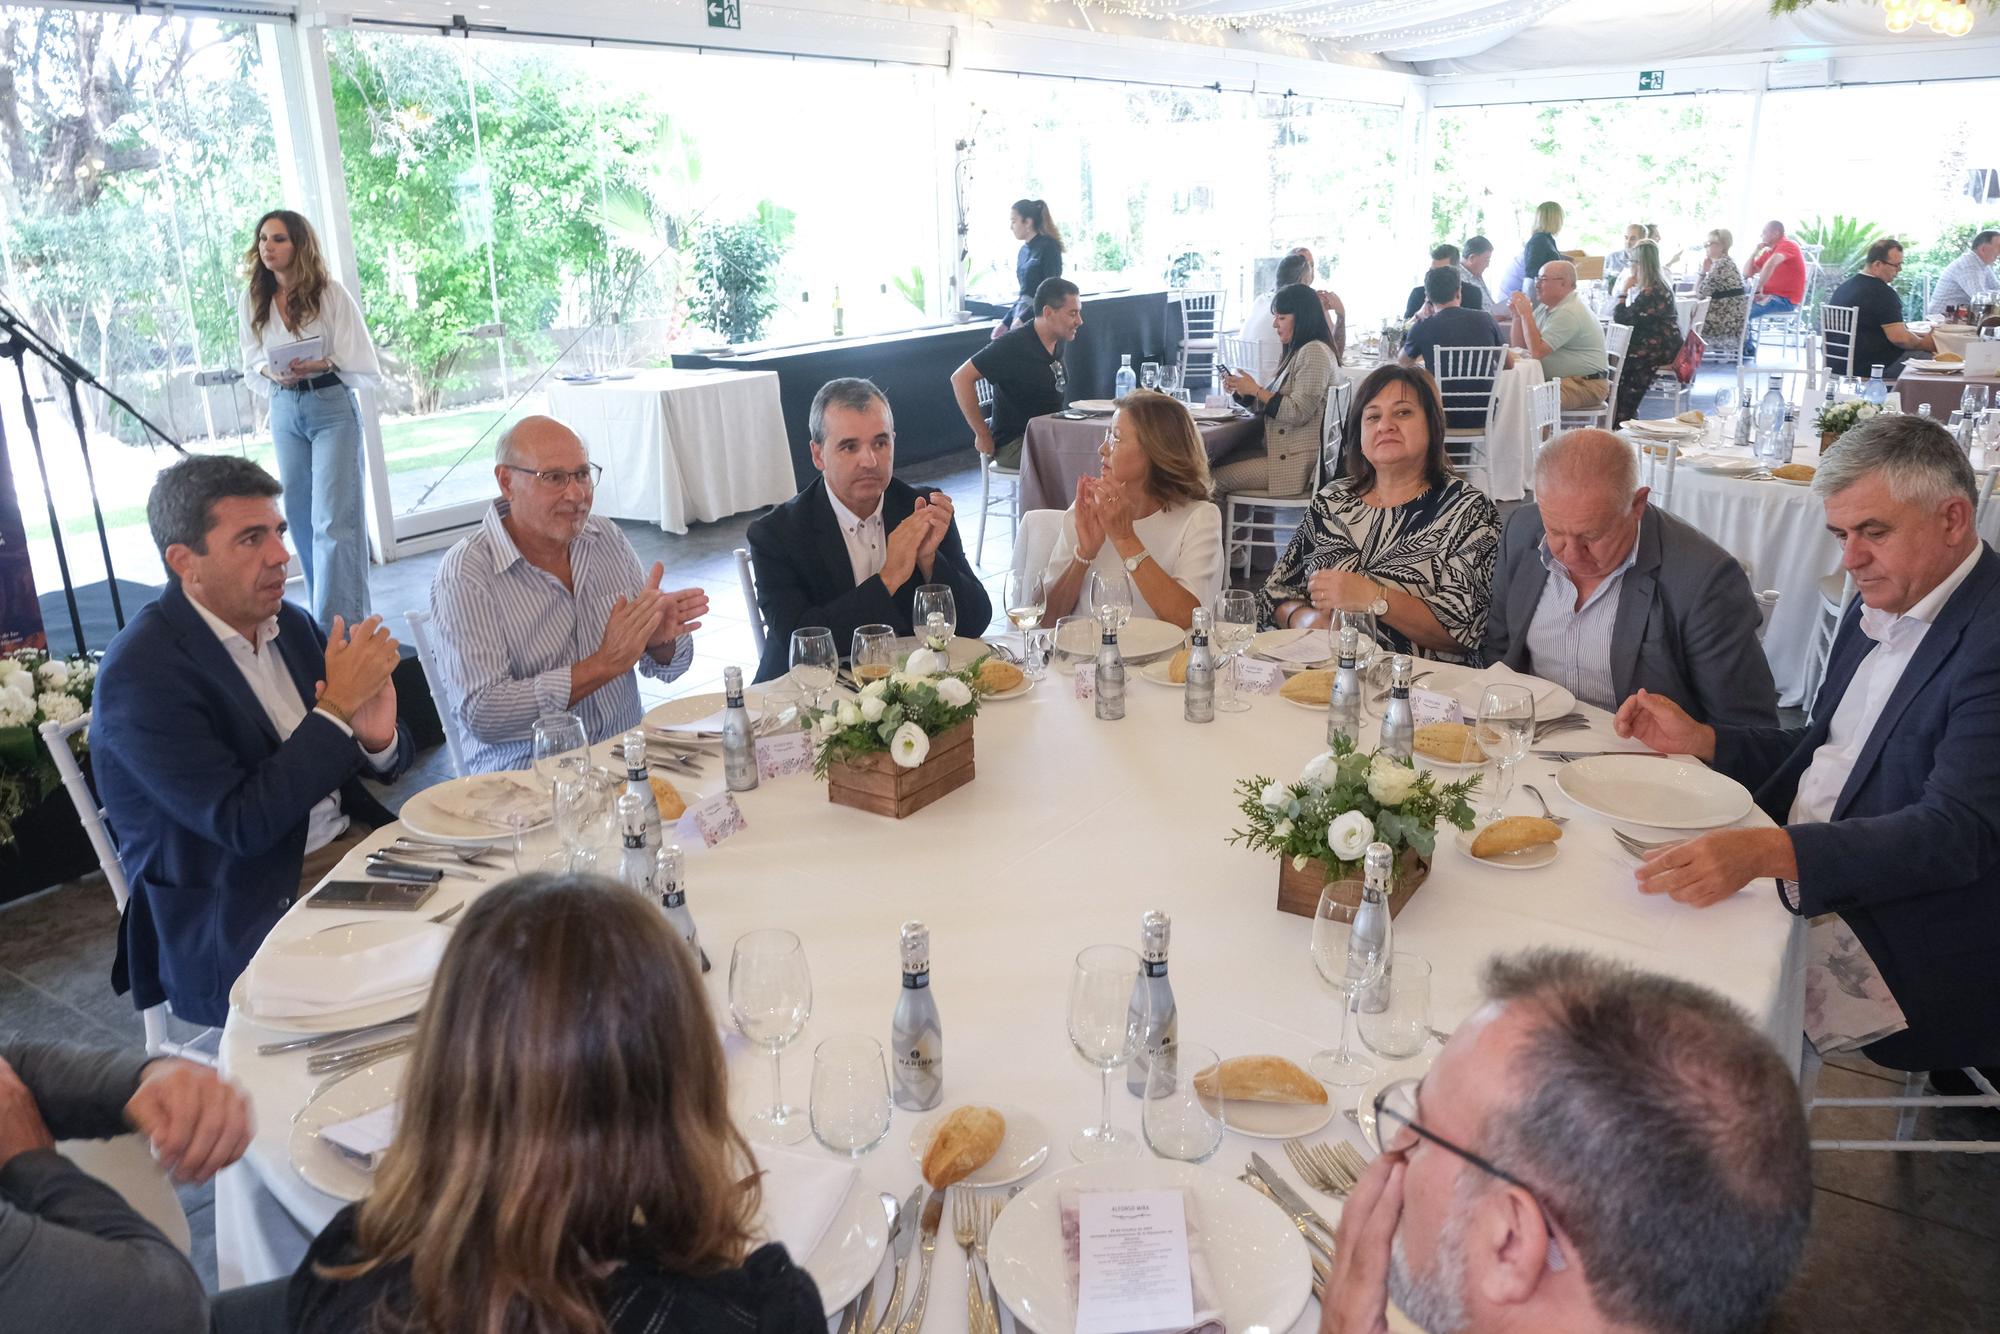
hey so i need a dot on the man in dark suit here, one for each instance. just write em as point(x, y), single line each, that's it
point(229, 736)
point(1600, 592)
point(852, 548)
point(1888, 798)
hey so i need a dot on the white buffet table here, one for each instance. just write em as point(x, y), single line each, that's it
point(1071, 830)
point(1509, 461)
point(681, 445)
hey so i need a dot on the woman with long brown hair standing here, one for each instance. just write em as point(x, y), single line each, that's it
point(1040, 257)
point(315, 423)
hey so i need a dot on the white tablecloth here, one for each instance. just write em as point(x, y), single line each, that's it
point(681, 445)
point(1508, 458)
point(1071, 830)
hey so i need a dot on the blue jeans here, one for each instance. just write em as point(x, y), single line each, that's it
point(1761, 308)
point(318, 434)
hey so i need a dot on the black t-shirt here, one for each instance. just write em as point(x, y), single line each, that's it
point(1878, 305)
point(1027, 379)
point(1468, 296)
point(1454, 326)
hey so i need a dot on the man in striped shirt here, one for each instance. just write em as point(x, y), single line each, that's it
point(546, 610)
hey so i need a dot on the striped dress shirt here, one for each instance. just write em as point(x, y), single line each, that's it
point(1571, 645)
point(507, 633)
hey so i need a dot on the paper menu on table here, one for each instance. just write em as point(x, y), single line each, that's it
point(1132, 1262)
point(365, 1137)
point(1307, 648)
point(711, 723)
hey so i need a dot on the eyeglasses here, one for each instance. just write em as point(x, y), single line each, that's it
point(589, 475)
point(1398, 1102)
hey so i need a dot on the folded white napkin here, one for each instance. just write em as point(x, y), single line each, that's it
point(286, 980)
point(1307, 647)
point(362, 1139)
point(1471, 688)
point(803, 1194)
point(712, 723)
point(1848, 1004)
point(1207, 1305)
point(500, 800)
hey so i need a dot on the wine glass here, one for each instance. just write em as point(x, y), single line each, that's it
point(1350, 957)
point(1105, 1032)
point(934, 601)
point(1725, 408)
point(1506, 725)
point(1109, 596)
point(1235, 623)
point(573, 800)
point(1149, 375)
point(1027, 599)
point(814, 661)
point(874, 652)
point(561, 745)
point(770, 999)
point(850, 1107)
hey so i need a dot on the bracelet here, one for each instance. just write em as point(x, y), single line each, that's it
point(334, 710)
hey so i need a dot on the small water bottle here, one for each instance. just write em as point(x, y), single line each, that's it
point(1127, 379)
point(1110, 676)
point(1924, 411)
point(635, 864)
point(1371, 933)
point(670, 881)
point(916, 1035)
point(1399, 724)
point(1343, 702)
point(1774, 442)
point(1746, 421)
point(638, 781)
point(1876, 391)
point(739, 749)
point(1199, 706)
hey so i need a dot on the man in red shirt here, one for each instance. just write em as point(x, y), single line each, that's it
point(1777, 274)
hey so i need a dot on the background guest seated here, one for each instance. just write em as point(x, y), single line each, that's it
point(1559, 331)
point(1419, 304)
point(1881, 338)
point(1648, 309)
point(852, 548)
point(1293, 406)
point(1025, 368)
point(1148, 515)
point(1450, 324)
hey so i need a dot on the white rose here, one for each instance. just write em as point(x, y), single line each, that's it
point(847, 713)
point(1282, 829)
point(15, 710)
point(54, 672)
point(1390, 782)
point(954, 692)
point(904, 680)
point(909, 746)
point(875, 689)
point(826, 726)
point(1350, 835)
point(1317, 769)
point(58, 707)
point(15, 677)
point(1274, 797)
point(926, 662)
point(872, 708)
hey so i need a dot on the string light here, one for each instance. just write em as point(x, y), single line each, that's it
point(1947, 18)
point(1349, 24)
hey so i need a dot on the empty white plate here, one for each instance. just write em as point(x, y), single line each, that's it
point(1140, 637)
point(1645, 789)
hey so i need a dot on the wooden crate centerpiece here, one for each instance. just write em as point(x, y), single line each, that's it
point(875, 782)
point(1299, 890)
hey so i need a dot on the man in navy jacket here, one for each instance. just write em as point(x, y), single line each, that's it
point(228, 736)
point(1888, 798)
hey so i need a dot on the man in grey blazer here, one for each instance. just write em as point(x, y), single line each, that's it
point(1599, 592)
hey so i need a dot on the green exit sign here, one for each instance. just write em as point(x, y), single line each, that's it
point(725, 13)
point(1650, 80)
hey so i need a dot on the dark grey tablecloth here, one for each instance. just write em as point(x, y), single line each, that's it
point(1058, 450)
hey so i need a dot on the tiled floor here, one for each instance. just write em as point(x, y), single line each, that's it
point(1905, 1242)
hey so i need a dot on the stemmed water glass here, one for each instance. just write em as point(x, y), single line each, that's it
point(933, 607)
point(1105, 1033)
point(874, 652)
point(770, 999)
point(1235, 623)
point(1504, 729)
point(814, 662)
point(561, 745)
point(1109, 595)
point(1149, 375)
point(1725, 408)
point(850, 1107)
point(1027, 599)
point(1350, 947)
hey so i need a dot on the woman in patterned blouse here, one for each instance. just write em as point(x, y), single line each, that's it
point(1729, 300)
point(1656, 330)
point(1398, 531)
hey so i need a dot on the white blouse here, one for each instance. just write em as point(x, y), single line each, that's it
point(1185, 541)
point(339, 322)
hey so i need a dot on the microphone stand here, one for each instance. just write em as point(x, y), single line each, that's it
point(21, 338)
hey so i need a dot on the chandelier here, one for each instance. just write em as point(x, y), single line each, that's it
point(1947, 18)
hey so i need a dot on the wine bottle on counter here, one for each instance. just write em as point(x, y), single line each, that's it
point(739, 750)
point(1399, 724)
point(1110, 670)
point(1150, 1073)
point(670, 879)
point(639, 783)
point(915, 1034)
point(1343, 702)
point(1199, 704)
point(635, 865)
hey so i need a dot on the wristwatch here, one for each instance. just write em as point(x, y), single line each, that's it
point(1380, 606)
point(1132, 563)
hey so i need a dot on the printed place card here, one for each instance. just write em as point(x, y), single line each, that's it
point(783, 755)
point(1132, 1262)
point(1258, 678)
point(1085, 681)
point(711, 820)
point(1434, 706)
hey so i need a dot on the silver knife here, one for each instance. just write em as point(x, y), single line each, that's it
point(390, 859)
point(1290, 1198)
point(1592, 754)
point(904, 1239)
point(913, 1319)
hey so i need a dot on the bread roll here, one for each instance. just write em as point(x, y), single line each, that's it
point(1309, 687)
point(997, 677)
point(1177, 668)
point(671, 803)
point(1692, 417)
point(1260, 1079)
point(1947, 356)
point(1513, 834)
point(1794, 472)
point(1452, 742)
point(964, 1142)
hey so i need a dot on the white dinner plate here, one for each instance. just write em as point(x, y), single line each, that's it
point(1467, 684)
point(426, 820)
point(1255, 1256)
point(1723, 466)
point(1264, 642)
point(1023, 1148)
point(1140, 638)
point(1410, 1067)
point(1027, 684)
point(1454, 766)
point(1094, 405)
point(1788, 481)
point(1202, 413)
point(1157, 671)
point(1664, 793)
point(324, 1167)
point(1268, 1120)
point(1936, 367)
point(848, 1255)
point(1527, 859)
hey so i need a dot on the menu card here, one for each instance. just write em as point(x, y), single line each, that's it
point(364, 1137)
point(1308, 648)
point(1257, 678)
point(711, 820)
point(1132, 1266)
point(783, 755)
point(1433, 706)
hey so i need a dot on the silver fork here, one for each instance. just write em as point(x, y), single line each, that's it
point(1381, 695)
point(328, 1062)
point(1640, 847)
point(1319, 1171)
point(965, 1227)
point(318, 1040)
point(1542, 801)
point(980, 1236)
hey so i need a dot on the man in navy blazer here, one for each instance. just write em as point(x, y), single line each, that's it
point(1888, 799)
point(852, 548)
point(228, 736)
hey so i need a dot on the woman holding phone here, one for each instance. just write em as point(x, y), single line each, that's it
point(305, 347)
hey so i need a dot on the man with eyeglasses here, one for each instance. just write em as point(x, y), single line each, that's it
point(1559, 331)
point(546, 609)
point(1595, 1149)
point(1880, 336)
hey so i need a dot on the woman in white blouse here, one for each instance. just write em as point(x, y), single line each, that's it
point(314, 420)
point(1147, 513)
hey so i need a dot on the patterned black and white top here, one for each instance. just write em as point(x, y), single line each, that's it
point(1439, 547)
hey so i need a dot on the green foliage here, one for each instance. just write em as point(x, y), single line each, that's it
point(1293, 820)
point(905, 699)
point(734, 271)
point(1108, 253)
point(1843, 242)
point(1954, 240)
point(912, 287)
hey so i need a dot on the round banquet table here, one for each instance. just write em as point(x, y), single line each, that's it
point(1057, 450)
point(1072, 829)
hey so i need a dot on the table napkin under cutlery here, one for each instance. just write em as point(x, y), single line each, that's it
point(1307, 647)
point(1469, 688)
point(803, 1194)
point(711, 723)
point(287, 981)
point(1207, 1306)
point(499, 800)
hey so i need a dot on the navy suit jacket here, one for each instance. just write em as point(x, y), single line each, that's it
point(208, 807)
point(805, 578)
point(1911, 857)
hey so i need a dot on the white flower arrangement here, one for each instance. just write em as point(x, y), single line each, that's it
point(899, 713)
point(36, 688)
point(1344, 800)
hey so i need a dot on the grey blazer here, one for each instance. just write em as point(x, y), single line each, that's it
point(1686, 626)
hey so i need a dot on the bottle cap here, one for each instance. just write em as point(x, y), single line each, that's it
point(1154, 929)
point(732, 680)
point(1202, 620)
point(916, 947)
point(1350, 641)
point(634, 746)
point(1399, 671)
point(632, 814)
point(1376, 862)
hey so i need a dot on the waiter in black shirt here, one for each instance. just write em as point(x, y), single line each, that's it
point(1025, 369)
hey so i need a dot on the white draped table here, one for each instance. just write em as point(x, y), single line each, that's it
point(681, 445)
point(1509, 461)
point(1071, 830)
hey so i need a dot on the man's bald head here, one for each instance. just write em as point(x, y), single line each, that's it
point(1558, 280)
point(1587, 490)
point(1588, 458)
point(527, 439)
point(546, 479)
